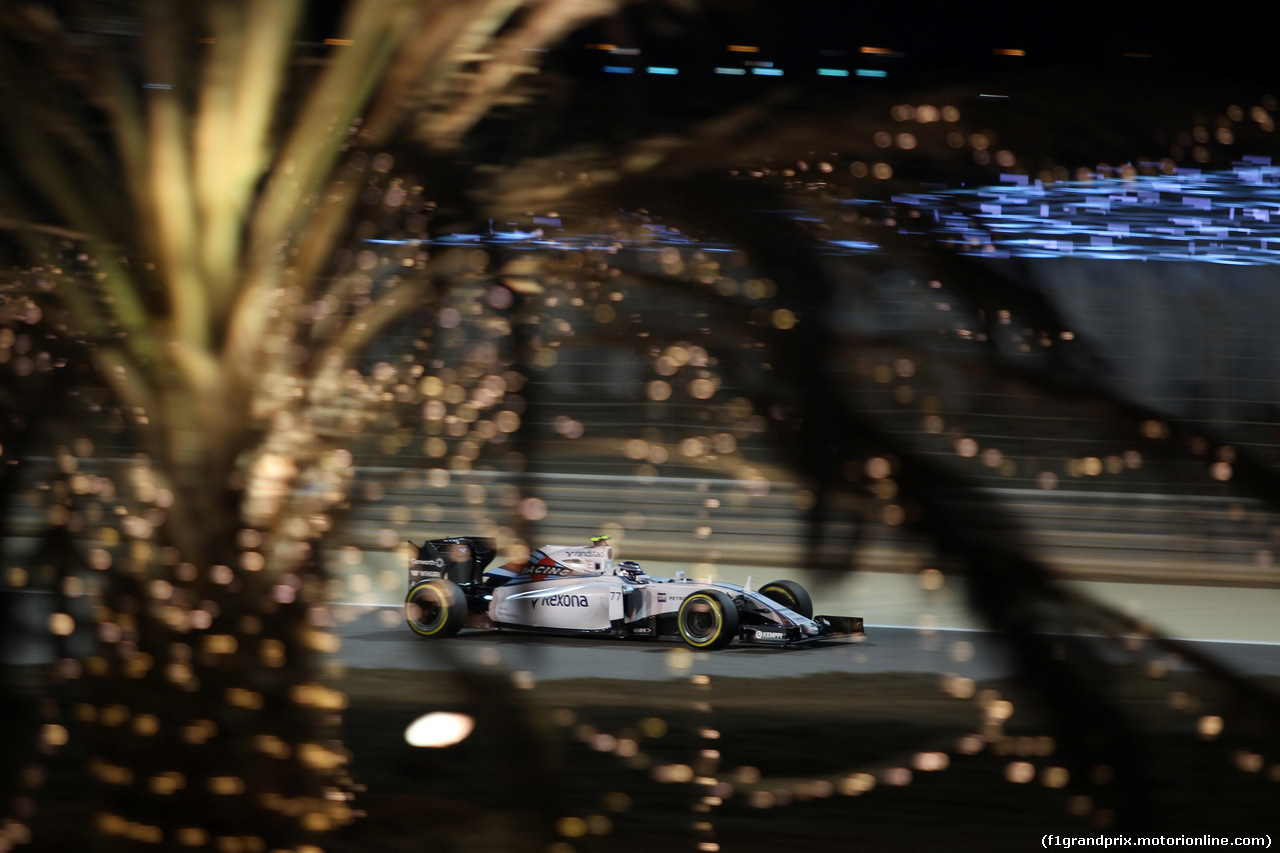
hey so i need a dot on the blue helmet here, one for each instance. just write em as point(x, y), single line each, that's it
point(630, 569)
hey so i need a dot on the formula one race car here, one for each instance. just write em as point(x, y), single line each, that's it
point(579, 590)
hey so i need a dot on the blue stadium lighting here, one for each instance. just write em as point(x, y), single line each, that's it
point(618, 69)
point(855, 245)
point(663, 69)
point(767, 72)
point(871, 72)
point(833, 72)
point(1216, 217)
point(1230, 218)
point(513, 236)
point(736, 72)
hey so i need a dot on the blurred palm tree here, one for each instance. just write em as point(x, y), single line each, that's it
point(187, 177)
point(740, 180)
point(177, 179)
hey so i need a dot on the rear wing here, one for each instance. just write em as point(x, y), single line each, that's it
point(461, 559)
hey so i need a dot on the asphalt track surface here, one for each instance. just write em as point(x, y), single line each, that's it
point(380, 640)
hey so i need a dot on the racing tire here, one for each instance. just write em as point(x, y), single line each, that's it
point(708, 619)
point(790, 595)
point(435, 608)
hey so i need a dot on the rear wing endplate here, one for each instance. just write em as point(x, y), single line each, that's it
point(461, 559)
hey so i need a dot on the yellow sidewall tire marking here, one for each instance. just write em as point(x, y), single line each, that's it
point(416, 625)
point(715, 609)
point(788, 600)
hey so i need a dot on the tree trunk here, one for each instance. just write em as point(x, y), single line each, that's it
point(207, 719)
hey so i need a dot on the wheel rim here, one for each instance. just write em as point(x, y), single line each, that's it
point(701, 621)
point(426, 611)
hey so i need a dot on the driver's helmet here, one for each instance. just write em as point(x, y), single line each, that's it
point(630, 570)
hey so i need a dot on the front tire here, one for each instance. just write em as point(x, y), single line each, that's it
point(790, 595)
point(708, 619)
point(435, 608)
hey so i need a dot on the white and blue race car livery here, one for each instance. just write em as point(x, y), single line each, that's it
point(580, 590)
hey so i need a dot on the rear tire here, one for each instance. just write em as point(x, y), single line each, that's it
point(790, 595)
point(708, 619)
point(435, 608)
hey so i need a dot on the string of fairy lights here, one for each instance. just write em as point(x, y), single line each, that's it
point(471, 411)
point(645, 745)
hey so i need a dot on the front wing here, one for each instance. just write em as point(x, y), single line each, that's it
point(847, 629)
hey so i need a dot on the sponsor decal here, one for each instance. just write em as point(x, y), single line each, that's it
point(559, 571)
point(770, 635)
point(587, 553)
point(562, 600)
point(423, 573)
point(642, 630)
point(540, 564)
point(438, 562)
